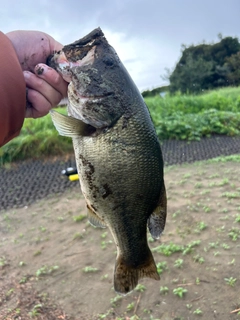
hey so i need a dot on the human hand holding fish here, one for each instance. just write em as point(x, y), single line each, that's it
point(118, 155)
point(45, 86)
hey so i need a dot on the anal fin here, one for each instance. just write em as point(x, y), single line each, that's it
point(157, 220)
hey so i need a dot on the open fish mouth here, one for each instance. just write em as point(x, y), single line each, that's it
point(64, 64)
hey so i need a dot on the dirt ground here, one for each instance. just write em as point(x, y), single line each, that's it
point(55, 265)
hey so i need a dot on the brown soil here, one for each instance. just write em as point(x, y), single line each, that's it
point(54, 265)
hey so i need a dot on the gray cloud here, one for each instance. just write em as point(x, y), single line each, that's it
point(147, 34)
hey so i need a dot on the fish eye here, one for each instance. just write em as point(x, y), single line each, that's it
point(108, 61)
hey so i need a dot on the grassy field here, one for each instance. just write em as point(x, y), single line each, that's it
point(54, 265)
point(182, 117)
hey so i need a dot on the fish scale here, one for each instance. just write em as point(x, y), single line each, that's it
point(117, 152)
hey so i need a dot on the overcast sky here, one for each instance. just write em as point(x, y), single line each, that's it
point(147, 34)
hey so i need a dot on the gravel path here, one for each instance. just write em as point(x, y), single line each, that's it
point(24, 183)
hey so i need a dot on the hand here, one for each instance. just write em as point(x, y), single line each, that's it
point(45, 87)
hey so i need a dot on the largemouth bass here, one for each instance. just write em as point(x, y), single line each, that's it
point(118, 155)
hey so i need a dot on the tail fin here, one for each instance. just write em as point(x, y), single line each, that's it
point(126, 277)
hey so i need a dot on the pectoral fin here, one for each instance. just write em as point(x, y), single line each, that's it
point(156, 221)
point(68, 126)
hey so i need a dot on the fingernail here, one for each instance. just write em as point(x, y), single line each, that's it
point(26, 74)
point(39, 69)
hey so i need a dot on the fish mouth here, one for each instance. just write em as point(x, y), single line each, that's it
point(64, 64)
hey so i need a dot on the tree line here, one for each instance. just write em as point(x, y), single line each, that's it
point(205, 66)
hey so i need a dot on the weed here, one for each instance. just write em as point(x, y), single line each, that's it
point(161, 266)
point(213, 244)
point(8, 294)
point(168, 249)
point(115, 300)
point(190, 246)
point(231, 195)
point(237, 219)
point(198, 258)
point(23, 280)
point(164, 290)
point(231, 262)
point(225, 246)
point(90, 269)
point(180, 292)
point(140, 288)
point(198, 311)
point(130, 306)
point(79, 218)
point(206, 209)
point(35, 310)
point(103, 235)
point(230, 281)
point(37, 253)
point(77, 236)
point(178, 263)
point(234, 234)
point(3, 261)
point(104, 277)
point(44, 270)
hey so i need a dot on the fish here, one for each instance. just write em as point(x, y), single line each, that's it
point(118, 154)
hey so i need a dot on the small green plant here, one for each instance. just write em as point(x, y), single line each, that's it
point(104, 234)
point(77, 236)
point(231, 281)
point(37, 253)
point(79, 218)
point(35, 310)
point(44, 270)
point(164, 290)
point(161, 266)
point(3, 261)
point(197, 281)
point(8, 294)
point(168, 249)
point(180, 292)
point(189, 247)
point(234, 234)
point(198, 311)
point(231, 195)
point(237, 219)
point(206, 209)
point(201, 225)
point(90, 269)
point(130, 306)
point(198, 258)
point(178, 263)
point(140, 288)
point(23, 280)
point(115, 300)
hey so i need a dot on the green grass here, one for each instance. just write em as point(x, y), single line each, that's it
point(190, 117)
point(38, 138)
point(182, 117)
